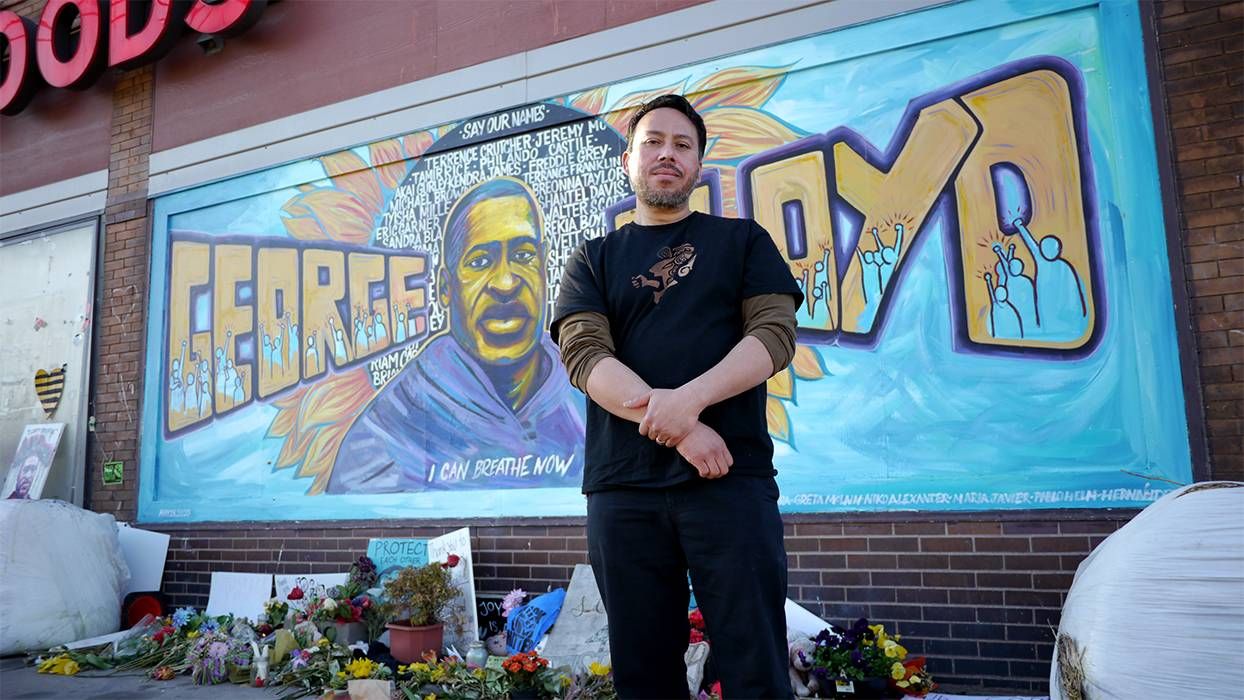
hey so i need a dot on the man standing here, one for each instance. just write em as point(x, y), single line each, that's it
point(487, 393)
point(671, 325)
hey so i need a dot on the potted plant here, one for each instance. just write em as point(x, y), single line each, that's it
point(417, 596)
point(530, 677)
point(865, 662)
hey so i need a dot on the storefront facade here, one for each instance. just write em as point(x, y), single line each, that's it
point(1002, 354)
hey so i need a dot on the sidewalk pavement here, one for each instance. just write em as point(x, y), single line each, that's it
point(21, 682)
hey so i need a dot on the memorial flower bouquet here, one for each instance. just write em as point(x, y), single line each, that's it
point(866, 653)
point(363, 575)
point(359, 669)
point(275, 612)
point(329, 609)
point(912, 679)
point(529, 676)
point(596, 684)
point(207, 658)
point(311, 669)
point(449, 679)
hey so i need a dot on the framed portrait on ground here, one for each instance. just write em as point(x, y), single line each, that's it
point(33, 460)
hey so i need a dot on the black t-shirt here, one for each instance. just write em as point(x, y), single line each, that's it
point(673, 295)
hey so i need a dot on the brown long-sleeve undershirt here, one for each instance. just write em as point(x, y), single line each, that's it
point(585, 338)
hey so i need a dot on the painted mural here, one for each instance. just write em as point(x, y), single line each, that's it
point(972, 212)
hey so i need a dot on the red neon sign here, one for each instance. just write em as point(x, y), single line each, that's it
point(50, 53)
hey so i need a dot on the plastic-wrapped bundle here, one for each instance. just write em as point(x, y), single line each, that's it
point(1157, 610)
point(62, 574)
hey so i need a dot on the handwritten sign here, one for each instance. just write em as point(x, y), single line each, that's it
point(238, 594)
point(581, 634)
point(317, 584)
point(461, 621)
point(392, 554)
point(488, 615)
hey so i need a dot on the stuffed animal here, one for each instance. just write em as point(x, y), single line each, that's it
point(802, 682)
point(496, 644)
point(260, 661)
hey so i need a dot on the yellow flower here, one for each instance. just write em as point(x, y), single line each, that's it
point(478, 673)
point(62, 665)
point(341, 674)
point(419, 668)
point(438, 673)
point(897, 672)
point(894, 651)
point(192, 634)
point(598, 669)
point(361, 668)
point(566, 681)
point(902, 684)
point(879, 631)
point(430, 696)
point(323, 643)
point(401, 668)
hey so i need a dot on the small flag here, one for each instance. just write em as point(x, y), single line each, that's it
point(49, 385)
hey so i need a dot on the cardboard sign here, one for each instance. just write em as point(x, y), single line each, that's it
point(239, 594)
point(461, 620)
point(317, 584)
point(145, 552)
point(581, 634)
point(391, 554)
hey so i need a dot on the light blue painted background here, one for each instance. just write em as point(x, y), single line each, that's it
point(911, 424)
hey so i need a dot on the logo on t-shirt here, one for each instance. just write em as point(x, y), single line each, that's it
point(673, 264)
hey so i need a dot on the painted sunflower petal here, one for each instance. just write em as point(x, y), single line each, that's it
point(745, 86)
point(778, 421)
point(334, 214)
point(743, 131)
point(415, 144)
point(590, 102)
point(807, 363)
point(353, 175)
point(389, 161)
point(782, 385)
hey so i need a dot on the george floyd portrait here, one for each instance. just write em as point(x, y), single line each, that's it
point(483, 405)
point(32, 461)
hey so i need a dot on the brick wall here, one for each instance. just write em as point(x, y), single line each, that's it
point(120, 308)
point(980, 598)
point(1201, 43)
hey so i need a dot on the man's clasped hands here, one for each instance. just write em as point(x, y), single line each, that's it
point(672, 420)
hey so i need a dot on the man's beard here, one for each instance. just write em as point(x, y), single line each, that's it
point(664, 199)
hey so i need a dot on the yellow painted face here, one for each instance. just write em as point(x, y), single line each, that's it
point(496, 289)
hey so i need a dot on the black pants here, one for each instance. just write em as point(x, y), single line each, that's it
point(728, 534)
